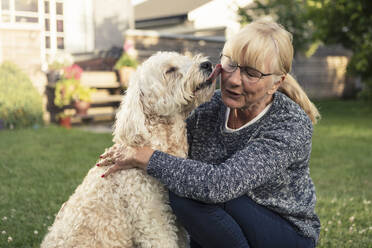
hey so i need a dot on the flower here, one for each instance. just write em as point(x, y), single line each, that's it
point(36, 232)
point(362, 231)
point(74, 71)
point(351, 219)
point(10, 239)
point(3, 232)
point(5, 218)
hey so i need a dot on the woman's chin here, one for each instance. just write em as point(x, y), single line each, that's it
point(232, 103)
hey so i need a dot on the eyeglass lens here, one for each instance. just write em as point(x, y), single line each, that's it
point(249, 73)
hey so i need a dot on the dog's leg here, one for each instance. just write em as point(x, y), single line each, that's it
point(154, 224)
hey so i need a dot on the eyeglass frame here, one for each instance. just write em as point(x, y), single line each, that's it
point(242, 68)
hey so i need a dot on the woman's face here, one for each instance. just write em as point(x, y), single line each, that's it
point(240, 92)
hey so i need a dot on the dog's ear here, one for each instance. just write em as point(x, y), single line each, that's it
point(130, 126)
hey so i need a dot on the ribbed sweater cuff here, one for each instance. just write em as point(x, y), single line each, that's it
point(155, 164)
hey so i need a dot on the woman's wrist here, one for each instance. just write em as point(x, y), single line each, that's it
point(143, 156)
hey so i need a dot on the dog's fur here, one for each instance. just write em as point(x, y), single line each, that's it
point(130, 208)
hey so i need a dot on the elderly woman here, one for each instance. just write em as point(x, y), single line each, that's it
point(246, 181)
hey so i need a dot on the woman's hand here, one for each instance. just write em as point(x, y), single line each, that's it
point(123, 158)
point(111, 154)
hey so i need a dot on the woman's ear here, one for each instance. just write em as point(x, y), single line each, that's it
point(276, 85)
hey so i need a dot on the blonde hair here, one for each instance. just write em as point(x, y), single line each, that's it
point(263, 39)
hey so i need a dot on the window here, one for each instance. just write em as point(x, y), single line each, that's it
point(47, 24)
point(5, 4)
point(53, 25)
point(46, 7)
point(59, 8)
point(49, 14)
point(60, 43)
point(19, 11)
point(26, 19)
point(26, 5)
point(47, 42)
point(60, 26)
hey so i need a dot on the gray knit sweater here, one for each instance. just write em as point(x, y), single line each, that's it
point(268, 161)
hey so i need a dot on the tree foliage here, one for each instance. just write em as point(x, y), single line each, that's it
point(291, 14)
point(344, 22)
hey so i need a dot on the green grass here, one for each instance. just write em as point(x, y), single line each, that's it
point(40, 168)
point(341, 167)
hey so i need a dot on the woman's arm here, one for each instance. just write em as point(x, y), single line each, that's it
point(245, 170)
point(261, 159)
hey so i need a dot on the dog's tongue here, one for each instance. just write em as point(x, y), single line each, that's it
point(215, 73)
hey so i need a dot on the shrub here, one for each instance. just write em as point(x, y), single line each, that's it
point(20, 103)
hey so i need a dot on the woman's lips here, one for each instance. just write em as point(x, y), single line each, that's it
point(233, 94)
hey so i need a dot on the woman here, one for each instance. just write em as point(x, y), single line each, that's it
point(246, 182)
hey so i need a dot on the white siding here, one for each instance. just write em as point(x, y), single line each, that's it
point(79, 27)
point(111, 21)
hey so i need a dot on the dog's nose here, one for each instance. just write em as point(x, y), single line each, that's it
point(206, 66)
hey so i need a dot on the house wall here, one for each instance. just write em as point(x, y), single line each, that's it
point(218, 13)
point(321, 76)
point(147, 43)
point(22, 47)
point(79, 26)
point(111, 20)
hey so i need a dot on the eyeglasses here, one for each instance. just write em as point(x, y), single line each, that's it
point(248, 74)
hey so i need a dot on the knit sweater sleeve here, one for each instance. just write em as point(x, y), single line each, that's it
point(262, 158)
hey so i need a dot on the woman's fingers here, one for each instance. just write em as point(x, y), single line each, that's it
point(112, 169)
point(106, 161)
point(111, 155)
point(123, 165)
point(109, 152)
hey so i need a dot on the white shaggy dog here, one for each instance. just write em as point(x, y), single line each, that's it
point(130, 208)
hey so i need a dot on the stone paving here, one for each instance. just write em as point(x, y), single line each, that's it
point(97, 128)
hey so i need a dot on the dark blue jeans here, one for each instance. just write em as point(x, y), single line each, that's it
point(235, 224)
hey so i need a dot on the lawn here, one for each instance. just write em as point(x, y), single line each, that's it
point(41, 167)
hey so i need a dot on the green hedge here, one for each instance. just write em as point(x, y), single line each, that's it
point(20, 102)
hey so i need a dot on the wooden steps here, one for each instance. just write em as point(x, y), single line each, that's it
point(105, 100)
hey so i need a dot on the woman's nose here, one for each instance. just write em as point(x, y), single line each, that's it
point(235, 78)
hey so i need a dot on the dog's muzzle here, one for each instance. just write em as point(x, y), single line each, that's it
point(213, 74)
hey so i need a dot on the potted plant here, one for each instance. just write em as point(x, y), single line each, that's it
point(69, 90)
point(125, 65)
point(56, 65)
point(64, 120)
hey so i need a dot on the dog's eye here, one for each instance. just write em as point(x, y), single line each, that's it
point(171, 69)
